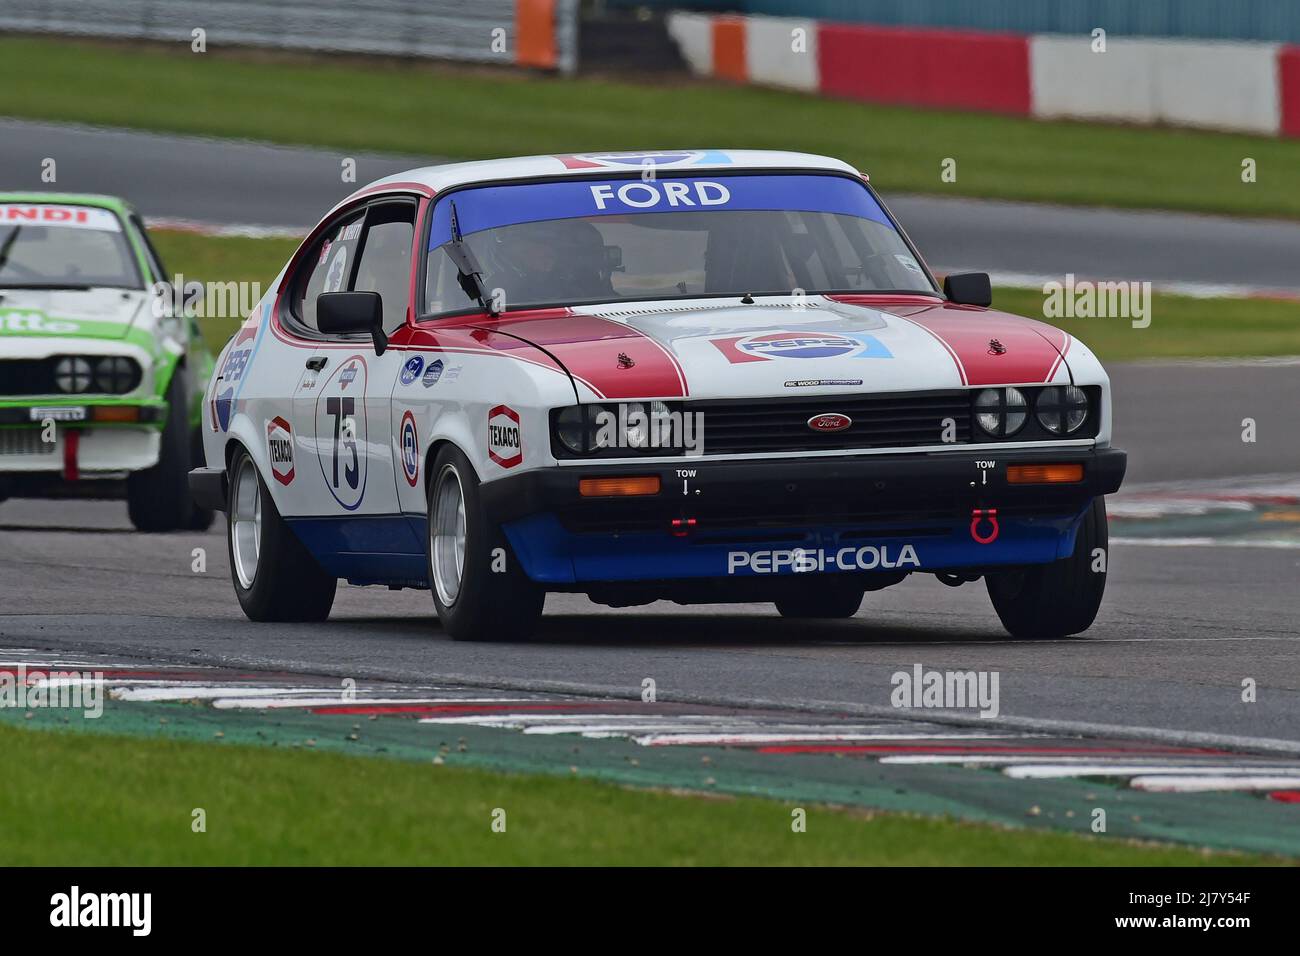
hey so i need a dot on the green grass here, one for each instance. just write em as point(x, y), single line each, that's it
point(1181, 327)
point(222, 259)
point(89, 800)
point(426, 110)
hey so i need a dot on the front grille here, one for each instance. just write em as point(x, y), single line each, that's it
point(900, 420)
point(24, 441)
point(27, 377)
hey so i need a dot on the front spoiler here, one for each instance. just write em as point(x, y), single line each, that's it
point(860, 515)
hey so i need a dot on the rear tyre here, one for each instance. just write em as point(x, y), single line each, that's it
point(275, 577)
point(822, 599)
point(481, 593)
point(1059, 599)
point(158, 498)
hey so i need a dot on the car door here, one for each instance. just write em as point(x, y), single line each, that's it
point(342, 401)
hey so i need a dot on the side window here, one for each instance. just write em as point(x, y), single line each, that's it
point(385, 264)
point(331, 263)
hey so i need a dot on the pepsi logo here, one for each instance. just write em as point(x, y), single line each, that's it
point(799, 345)
point(829, 422)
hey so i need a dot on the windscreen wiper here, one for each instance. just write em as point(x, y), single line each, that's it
point(9, 245)
point(470, 273)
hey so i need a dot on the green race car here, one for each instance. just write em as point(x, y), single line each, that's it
point(101, 376)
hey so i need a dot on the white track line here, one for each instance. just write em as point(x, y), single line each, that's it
point(203, 692)
point(275, 703)
point(1050, 771)
point(729, 739)
point(1160, 784)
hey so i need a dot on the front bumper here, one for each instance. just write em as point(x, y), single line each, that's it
point(79, 452)
point(872, 513)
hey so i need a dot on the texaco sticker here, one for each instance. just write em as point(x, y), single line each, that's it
point(505, 446)
point(279, 448)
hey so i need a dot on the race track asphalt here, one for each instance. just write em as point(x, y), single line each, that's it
point(1180, 630)
point(216, 181)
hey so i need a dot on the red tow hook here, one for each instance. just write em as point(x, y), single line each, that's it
point(990, 515)
point(71, 454)
point(682, 527)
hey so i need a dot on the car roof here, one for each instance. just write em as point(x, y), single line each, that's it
point(678, 161)
point(120, 206)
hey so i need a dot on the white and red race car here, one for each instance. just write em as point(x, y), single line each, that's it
point(698, 376)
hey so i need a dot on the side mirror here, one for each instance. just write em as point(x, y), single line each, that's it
point(338, 313)
point(969, 288)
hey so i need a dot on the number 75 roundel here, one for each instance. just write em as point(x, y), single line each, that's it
point(341, 432)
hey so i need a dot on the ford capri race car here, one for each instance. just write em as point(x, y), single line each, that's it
point(698, 376)
point(100, 379)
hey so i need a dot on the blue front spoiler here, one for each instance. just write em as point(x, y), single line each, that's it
point(552, 555)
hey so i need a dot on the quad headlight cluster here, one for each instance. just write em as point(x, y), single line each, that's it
point(1058, 410)
point(110, 374)
point(615, 430)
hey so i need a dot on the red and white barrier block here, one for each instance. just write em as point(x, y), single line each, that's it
point(1228, 85)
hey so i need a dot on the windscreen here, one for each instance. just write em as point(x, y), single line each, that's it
point(64, 246)
point(582, 241)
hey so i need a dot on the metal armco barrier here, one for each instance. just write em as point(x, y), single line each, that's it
point(530, 33)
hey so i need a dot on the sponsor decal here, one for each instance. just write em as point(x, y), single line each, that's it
point(337, 272)
point(70, 217)
point(341, 432)
point(505, 442)
point(669, 193)
point(910, 264)
point(410, 449)
point(804, 560)
point(230, 378)
point(815, 382)
point(35, 323)
point(279, 449)
point(829, 422)
point(59, 413)
point(433, 373)
point(770, 346)
point(453, 373)
point(412, 369)
point(232, 371)
point(653, 158)
point(489, 207)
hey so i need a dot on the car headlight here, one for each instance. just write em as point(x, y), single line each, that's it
point(612, 430)
point(1001, 411)
point(72, 374)
point(116, 374)
point(571, 428)
point(1061, 409)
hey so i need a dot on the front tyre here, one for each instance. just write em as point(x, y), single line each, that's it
point(479, 590)
point(275, 577)
point(1058, 599)
point(158, 498)
point(827, 598)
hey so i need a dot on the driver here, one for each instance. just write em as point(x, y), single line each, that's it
point(553, 261)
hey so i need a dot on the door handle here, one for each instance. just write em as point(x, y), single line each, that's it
point(316, 364)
